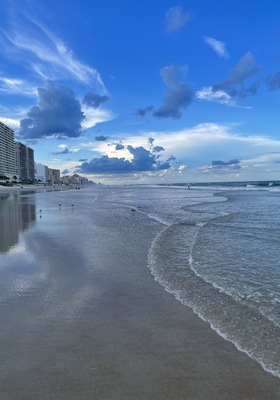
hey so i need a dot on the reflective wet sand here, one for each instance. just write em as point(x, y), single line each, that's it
point(82, 317)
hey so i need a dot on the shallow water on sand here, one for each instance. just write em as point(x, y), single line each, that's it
point(217, 254)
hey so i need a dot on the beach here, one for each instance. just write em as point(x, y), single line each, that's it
point(82, 317)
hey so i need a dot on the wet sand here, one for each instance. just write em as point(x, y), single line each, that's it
point(97, 326)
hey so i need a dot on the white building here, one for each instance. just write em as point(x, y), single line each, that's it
point(7, 152)
point(41, 172)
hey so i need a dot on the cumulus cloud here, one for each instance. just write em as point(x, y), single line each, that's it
point(82, 159)
point(94, 100)
point(178, 95)
point(175, 19)
point(218, 46)
point(58, 114)
point(141, 112)
point(243, 70)
point(105, 165)
point(141, 160)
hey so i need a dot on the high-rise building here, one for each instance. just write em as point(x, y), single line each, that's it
point(30, 164)
point(7, 152)
point(21, 161)
point(24, 162)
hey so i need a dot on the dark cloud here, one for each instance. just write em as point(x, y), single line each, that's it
point(105, 165)
point(143, 160)
point(154, 149)
point(65, 172)
point(245, 92)
point(58, 114)
point(119, 146)
point(224, 163)
point(232, 164)
point(101, 138)
point(141, 112)
point(178, 95)
point(94, 100)
point(65, 151)
point(243, 70)
point(82, 159)
point(157, 149)
point(273, 81)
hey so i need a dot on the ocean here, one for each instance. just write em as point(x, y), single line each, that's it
point(217, 251)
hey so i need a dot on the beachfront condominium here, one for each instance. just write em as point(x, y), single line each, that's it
point(54, 176)
point(30, 164)
point(7, 153)
point(24, 162)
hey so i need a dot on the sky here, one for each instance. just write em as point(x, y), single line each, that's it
point(148, 92)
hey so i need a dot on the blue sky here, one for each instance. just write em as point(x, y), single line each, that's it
point(144, 91)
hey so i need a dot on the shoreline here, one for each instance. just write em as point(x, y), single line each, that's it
point(39, 188)
point(106, 329)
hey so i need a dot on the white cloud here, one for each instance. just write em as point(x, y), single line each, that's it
point(181, 168)
point(218, 46)
point(218, 96)
point(266, 158)
point(12, 116)
point(17, 86)
point(94, 116)
point(175, 18)
point(194, 148)
point(12, 123)
point(197, 146)
point(47, 55)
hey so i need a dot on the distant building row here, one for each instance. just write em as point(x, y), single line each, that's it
point(45, 174)
point(16, 159)
point(17, 163)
